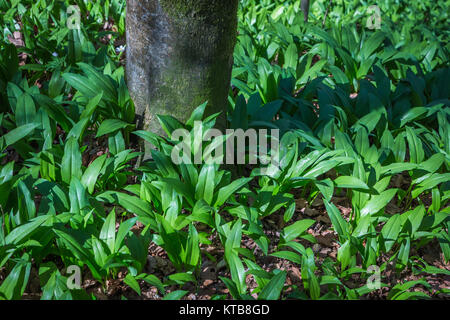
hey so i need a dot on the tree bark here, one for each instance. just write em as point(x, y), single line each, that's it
point(305, 9)
point(179, 55)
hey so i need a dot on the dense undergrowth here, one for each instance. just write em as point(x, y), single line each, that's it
point(362, 183)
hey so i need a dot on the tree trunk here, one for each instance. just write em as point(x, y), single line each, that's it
point(179, 55)
point(305, 9)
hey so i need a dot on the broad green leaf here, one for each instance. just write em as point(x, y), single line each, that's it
point(17, 134)
point(412, 114)
point(344, 254)
point(15, 283)
point(415, 218)
point(108, 231)
point(350, 182)
point(123, 230)
point(77, 196)
point(339, 224)
point(231, 287)
point(132, 283)
point(378, 202)
point(183, 277)
point(296, 229)
point(225, 192)
point(130, 203)
point(25, 110)
point(71, 161)
point(152, 280)
point(416, 151)
point(78, 251)
point(291, 57)
point(288, 255)
point(272, 290)
point(205, 186)
point(391, 230)
point(197, 114)
point(25, 231)
point(92, 172)
point(111, 125)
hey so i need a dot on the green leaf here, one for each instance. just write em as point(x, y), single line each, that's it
point(350, 183)
point(99, 251)
point(14, 285)
point(205, 186)
point(416, 151)
point(344, 254)
point(193, 248)
point(71, 161)
point(92, 172)
point(399, 291)
point(433, 163)
point(123, 230)
point(78, 129)
point(132, 283)
point(116, 143)
point(182, 188)
point(183, 277)
point(289, 213)
point(231, 287)
point(412, 115)
point(372, 44)
point(197, 114)
point(130, 203)
point(429, 183)
point(25, 110)
point(169, 124)
point(370, 120)
point(291, 57)
point(277, 12)
point(108, 231)
point(296, 229)
point(288, 255)
point(395, 168)
point(175, 295)
point(403, 253)
point(432, 221)
point(225, 192)
point(79, 252)
point(378, 202)
point(111, 125)
point(79, 83)
point(415, 218)
point(339, 224)
point(77, 196)
point(326, 187)
point(399, 148)
point(391, 230)
point(411, 295)
point(102, 82)
point(272, 290)
point(152, 280)
point(150, 137)
point(25, 231)
point(235, 264)
point(17, 134)
point(201, 213)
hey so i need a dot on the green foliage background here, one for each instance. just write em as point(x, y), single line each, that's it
point(357, 109)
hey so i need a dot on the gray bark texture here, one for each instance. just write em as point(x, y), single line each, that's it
point(305, 9)
point(179, 55)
